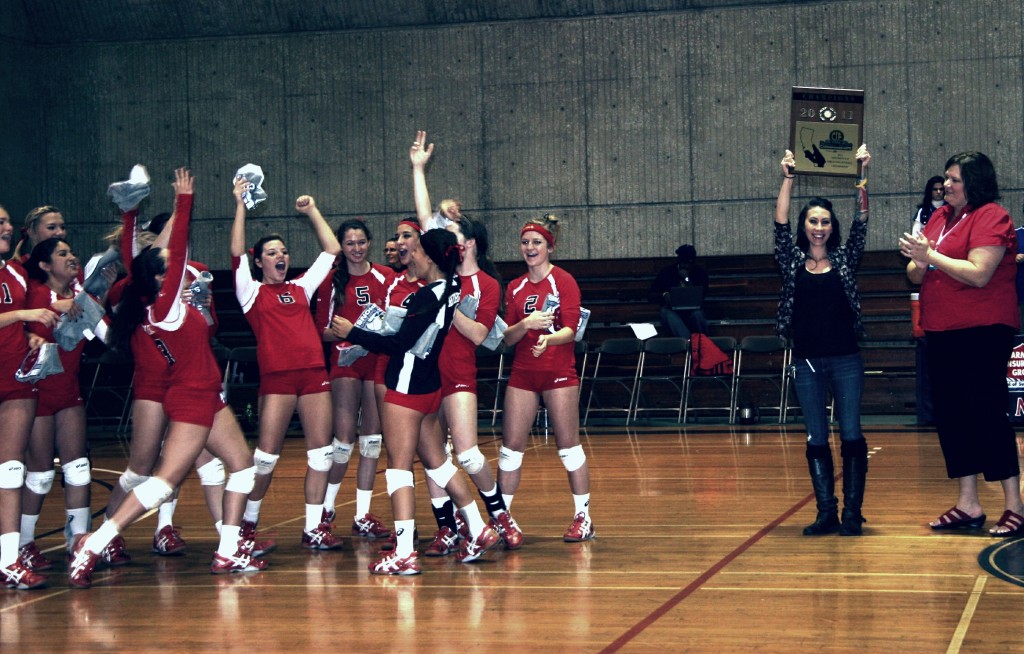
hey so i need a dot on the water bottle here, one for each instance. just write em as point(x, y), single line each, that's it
point(200, 289)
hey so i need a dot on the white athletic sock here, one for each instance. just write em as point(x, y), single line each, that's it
point(165, 514)
point(363, 498)
point(77, 523)
point(219, 526)
point(471, 512)
point(8, 549)
point(405, 544)
point(508, 500)
point(252, 511)
point(438, 502)
point(228, 540)
point(582, 503)
point(313, 514)
point(101, 537)
point(28, 529)
point(331, 496)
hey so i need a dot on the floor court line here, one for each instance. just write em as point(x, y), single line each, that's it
point(697, 583)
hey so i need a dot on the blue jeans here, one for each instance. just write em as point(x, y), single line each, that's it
point(813, 378)
point(683, 323)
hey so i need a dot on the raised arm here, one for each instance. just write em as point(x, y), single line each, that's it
point(305, 204)
point(788, 164)
point(419, 156)
point(177, 247)
point(238, 226)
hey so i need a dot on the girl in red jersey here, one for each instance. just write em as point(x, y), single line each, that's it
point(149, 421)
point(160, 326)
point(542, 311)
point(60, 413)
point(414, 395)
point(355, 284)
point(292, 377)
point(41, 223)
point(458, 360)
point(17, 407)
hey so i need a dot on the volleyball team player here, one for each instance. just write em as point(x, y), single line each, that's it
point(17, 407)
point(413, 397)
point(149, 420)
point(543, 332)
point(60, 424)
point(458, 416)
point(160, 327)
point(293, 377)
point(355, 284)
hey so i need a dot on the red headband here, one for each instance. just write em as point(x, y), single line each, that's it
point(414, 225)
point(534, 227)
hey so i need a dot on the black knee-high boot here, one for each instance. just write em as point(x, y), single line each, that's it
point(855, 472)
point(819, 462)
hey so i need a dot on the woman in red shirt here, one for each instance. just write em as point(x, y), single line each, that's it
point(542, 309)
point(964, 261)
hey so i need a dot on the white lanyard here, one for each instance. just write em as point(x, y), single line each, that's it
point(946, 232)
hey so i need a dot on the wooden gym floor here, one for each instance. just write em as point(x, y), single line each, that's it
point(698, 550)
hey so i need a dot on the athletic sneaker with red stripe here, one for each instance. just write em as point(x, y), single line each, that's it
point(168, 542)
point(30, 557)
point(370, 526)
point(17, 576)
point(240, 561)
point(392, 564)
point(115, 553)
point(509, 530)
point(83, 562)
point(445, 542)
point(320, 538)
point(474, 548)
point(580, 530)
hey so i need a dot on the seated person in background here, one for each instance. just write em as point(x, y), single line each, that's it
point(683, 273)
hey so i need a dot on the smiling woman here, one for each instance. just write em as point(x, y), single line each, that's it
point(292, 377)
point(819, 309)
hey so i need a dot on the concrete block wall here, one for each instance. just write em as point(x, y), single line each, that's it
point(641, 130)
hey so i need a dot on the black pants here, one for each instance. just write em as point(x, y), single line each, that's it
point(970, 399)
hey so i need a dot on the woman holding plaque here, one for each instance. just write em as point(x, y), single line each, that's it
point(819, 309)
point(542, 309)
point(964, 262)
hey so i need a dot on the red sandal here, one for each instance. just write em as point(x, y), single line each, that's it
point(957, 519)
point(1012, 522)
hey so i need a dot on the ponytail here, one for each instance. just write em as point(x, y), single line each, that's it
point(140, 292)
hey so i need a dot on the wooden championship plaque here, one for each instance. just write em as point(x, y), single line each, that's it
point(826, 126)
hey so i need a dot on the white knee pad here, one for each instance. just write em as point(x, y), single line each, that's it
point(241, 481)
point(212, 473)
point(129, 479)
point(320, 458)
point(509, 460)
point(77, 472)
point(153, 492)
point(264, 461)
point(39, 483)
point(472, 460)
point(342, 452)
point(572, 458)
point(398, 479)
point(369, 446)
point(12, 474)
point(443, 474)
